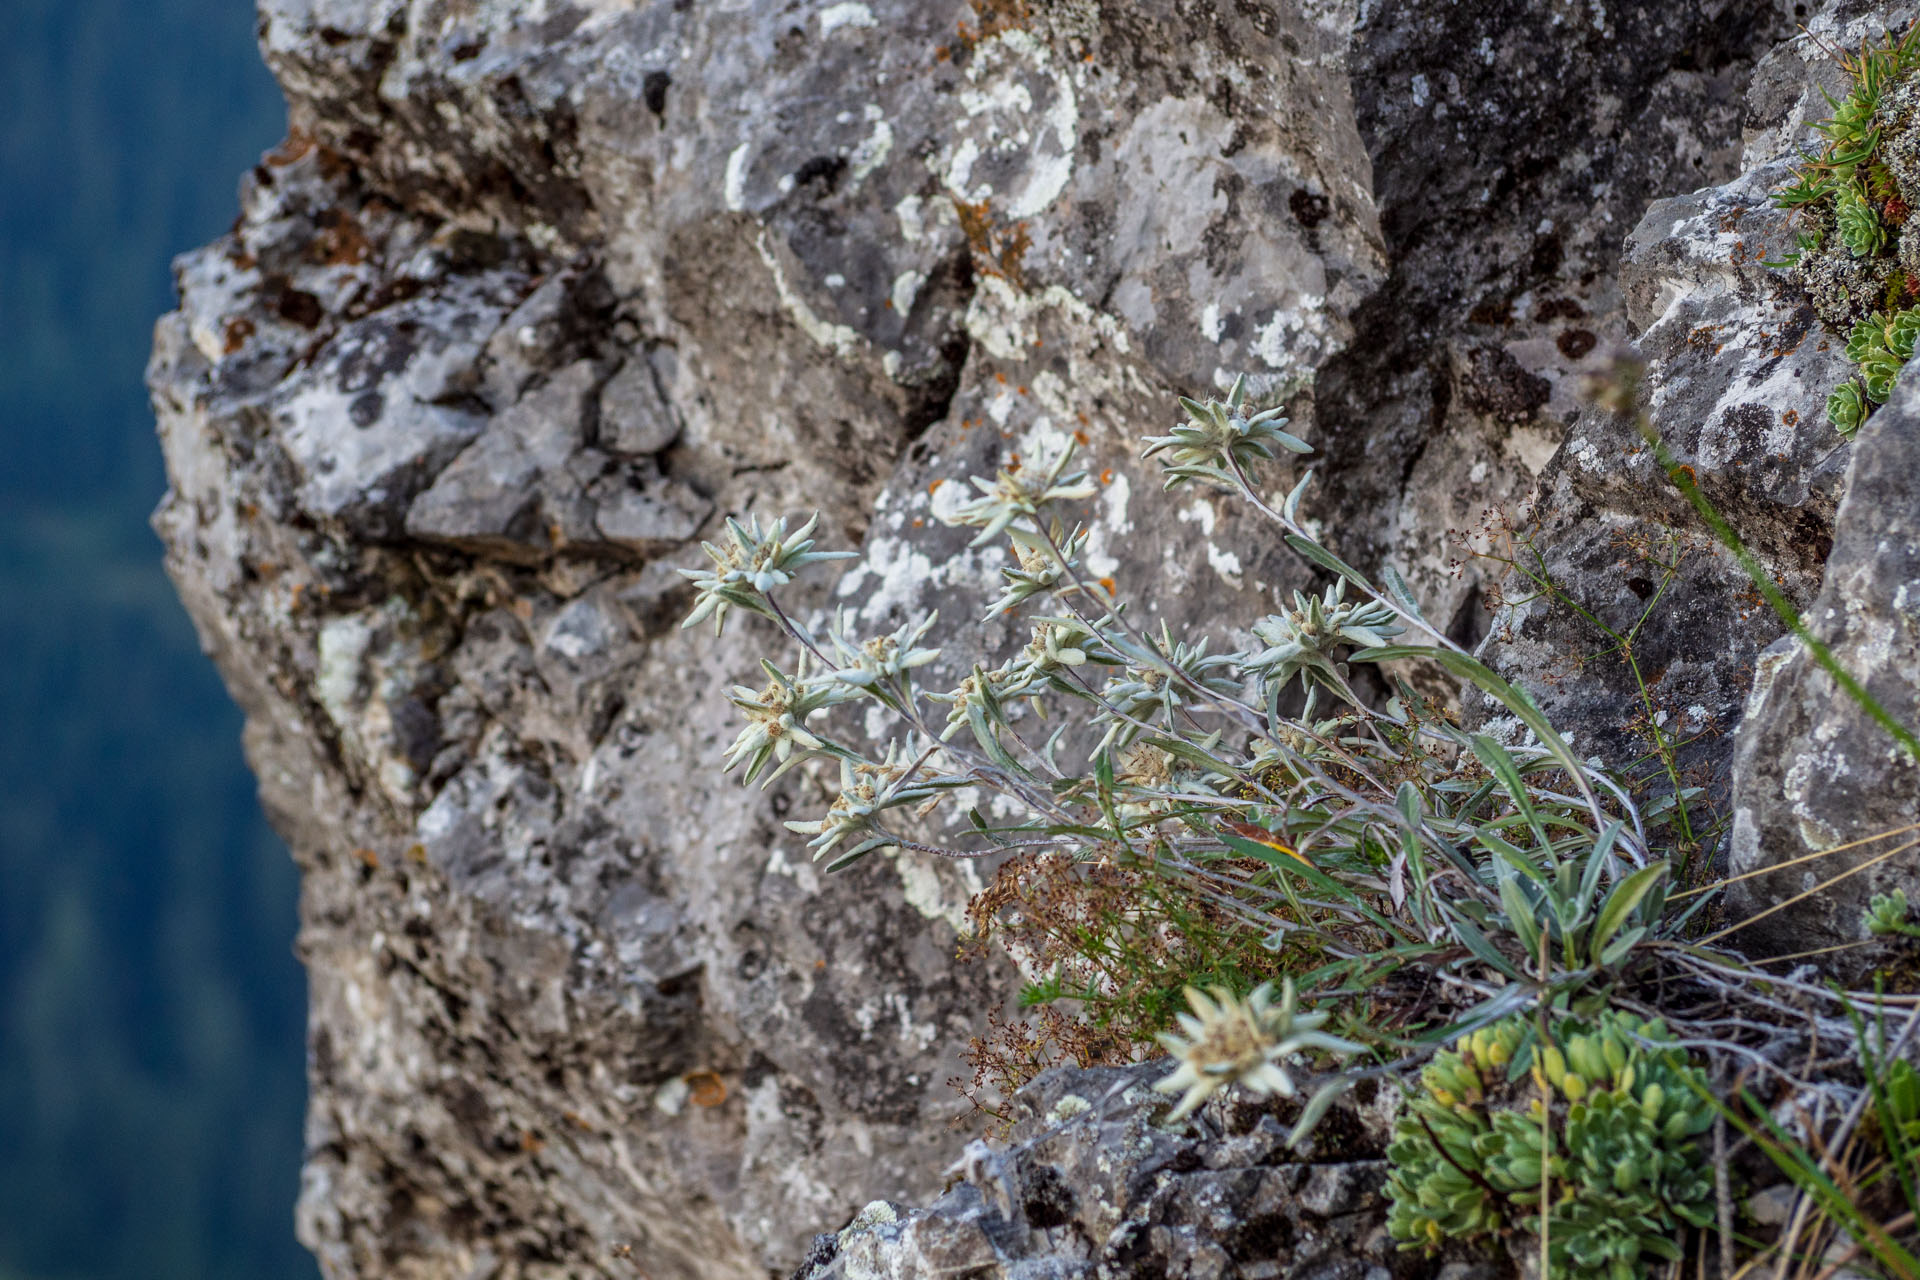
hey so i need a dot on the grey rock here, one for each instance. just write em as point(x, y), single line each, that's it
point(642, 510)
point(864, 249)
point(510, 491)
point(1090, 1185)
point(634, 419)
point(1813, 770)
point(1737, 371)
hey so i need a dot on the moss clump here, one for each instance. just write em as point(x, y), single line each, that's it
point(1855, 256)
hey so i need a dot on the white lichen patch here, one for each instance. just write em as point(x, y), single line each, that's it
point(1226, 564)
point(1585, 453)
point(1005, 320)
point(670, 1099)
point(1015, 143)
point(896, 577)
point(1069, 1106)
point(801, 872)
point(1296, 335)
point(851, 13)
point(342, 651)
point(733, 186)
point(1199, 512)
point(934, 896)
point(906, 287)
point(837, 338)
point(871, 151)
point(908, 213)
point(877, 1213)
point(1112, 525)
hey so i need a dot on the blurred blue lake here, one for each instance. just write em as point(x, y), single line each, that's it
point(151, 1012)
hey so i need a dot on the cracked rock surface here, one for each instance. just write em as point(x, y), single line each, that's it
point(1813, 769)
point(534, 295)
point(1088, 1185)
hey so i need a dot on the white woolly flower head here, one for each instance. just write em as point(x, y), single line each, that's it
point(1230, 1040)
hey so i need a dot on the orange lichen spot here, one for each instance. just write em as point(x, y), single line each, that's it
point(997, 251)
point(887, 303)
point(1790, 417)
point(1681, 473)
point(942, 53)
point(1080, 438)
point(341, 242)
point(530, 1141)
point(1106, 476)
point(1021, 390)
point(1000, 378)
point(995, 17)
point(820, 964)
point(976, 223)
point(239, 329)
point(1107, 585)
point(918, 523)
point(291, 148)
point(1013, 248)
point(705, 1088)
point(1037, 342)
point(577, 1120)
point(942, 480)
point(367, 858)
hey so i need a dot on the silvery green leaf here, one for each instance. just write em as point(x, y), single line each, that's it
point(1291, 507)
point(1398, 590)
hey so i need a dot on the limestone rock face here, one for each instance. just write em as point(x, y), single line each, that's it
point(534, 295)
point(1737, 371)
point(1813, 769)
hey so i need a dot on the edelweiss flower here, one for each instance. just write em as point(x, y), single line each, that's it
point(1037, 569)
point(883, 659)
point(1305, 637)
point(1021, 491)
point(750, 564)
point(868, 789)
point(1056, 643)
point(777, 720)
point(1218, 434)
point(1235, 1041)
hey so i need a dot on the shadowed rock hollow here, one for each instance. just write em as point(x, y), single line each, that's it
point(533, 296)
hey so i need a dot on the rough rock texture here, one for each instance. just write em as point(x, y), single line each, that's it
point(1737, 371)
point(1813, 770)
point(534, 295)
point(1090, 1186)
